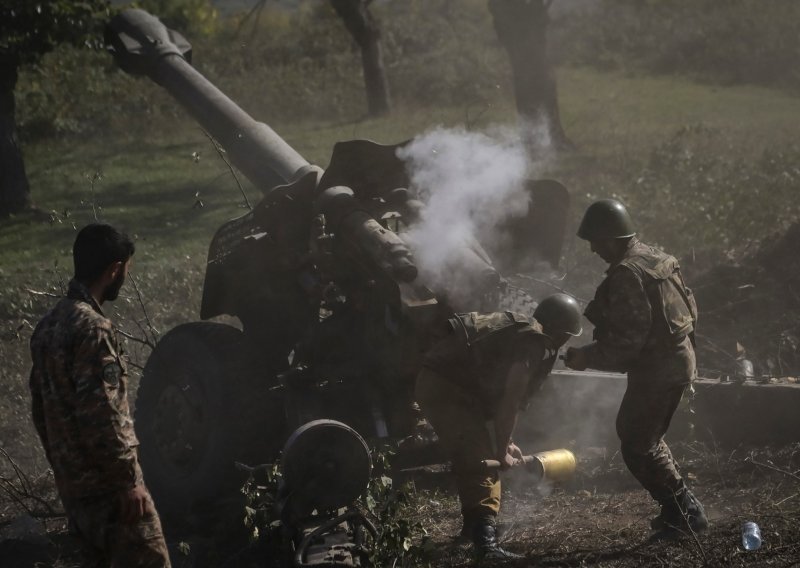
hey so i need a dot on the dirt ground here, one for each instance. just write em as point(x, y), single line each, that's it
point(600, 518)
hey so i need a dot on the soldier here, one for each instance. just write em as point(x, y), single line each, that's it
point(80, 408)
point(472, 385)
point(644, 318)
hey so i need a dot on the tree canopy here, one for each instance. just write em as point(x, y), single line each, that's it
point(186, 16)
point(31, 28)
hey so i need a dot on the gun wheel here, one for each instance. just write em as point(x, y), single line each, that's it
point(198, 405)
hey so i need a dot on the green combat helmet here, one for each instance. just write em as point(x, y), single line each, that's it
point(559, 313)
point(606, 219)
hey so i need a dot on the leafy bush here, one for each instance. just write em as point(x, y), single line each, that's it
point(190, 16)
point(690, 198)
point(729, 41)
point(382, 502)
point(388, 505)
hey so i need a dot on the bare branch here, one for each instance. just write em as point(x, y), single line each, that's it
point(772, 467)
point(253, 468)
point(38, 293)
point(255, 10)
point(153, 331)
point(141, 329)
point(469, 122)
point(132, 337)
point(21, 475)
point(19, 497)
point(22, 490)
point(14, 494)
point(224, 158)
point(96, 176)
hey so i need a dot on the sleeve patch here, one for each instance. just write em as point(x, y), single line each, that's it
point(112, 373)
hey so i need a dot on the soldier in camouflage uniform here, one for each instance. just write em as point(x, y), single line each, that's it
point(80, 408)
point(644, 318)
point(473, 383)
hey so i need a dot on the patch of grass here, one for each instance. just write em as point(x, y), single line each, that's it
point(678, 152)
point(613, 115)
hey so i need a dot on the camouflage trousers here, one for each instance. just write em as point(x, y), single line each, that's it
point(653, 394)
point(460, 425)
point(107, 542)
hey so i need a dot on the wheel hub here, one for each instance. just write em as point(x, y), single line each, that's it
point(180, 426)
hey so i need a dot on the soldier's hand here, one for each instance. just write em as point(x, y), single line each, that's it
point(575, 359)
point(514, 451)
point(133, 504)
point(508, 461)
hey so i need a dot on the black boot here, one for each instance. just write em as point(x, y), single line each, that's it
point(681, 512)
point(484, 539)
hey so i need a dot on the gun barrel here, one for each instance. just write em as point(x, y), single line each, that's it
point(142, 45)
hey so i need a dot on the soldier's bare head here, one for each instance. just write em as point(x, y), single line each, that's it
point(102, 256)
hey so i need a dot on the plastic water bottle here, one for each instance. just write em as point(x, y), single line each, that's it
point(751, 536)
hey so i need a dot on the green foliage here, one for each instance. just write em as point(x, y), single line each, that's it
point(741, 41)
point(260, 500)
point(198, 17)
point(279, 65)
point(384, 503)
point(697, 199)
point(389, 505)
point(31, 28)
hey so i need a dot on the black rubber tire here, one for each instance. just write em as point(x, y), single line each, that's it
point(199, 409)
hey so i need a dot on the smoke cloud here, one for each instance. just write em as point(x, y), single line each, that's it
point(470, 182)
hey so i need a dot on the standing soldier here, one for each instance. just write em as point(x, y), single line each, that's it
point(644, 318)
point(472, 385)
point(80, 408)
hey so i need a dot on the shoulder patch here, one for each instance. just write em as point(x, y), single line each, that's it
point(112, 373)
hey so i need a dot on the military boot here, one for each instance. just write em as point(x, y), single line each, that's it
point(484, 539)
point(681, 512)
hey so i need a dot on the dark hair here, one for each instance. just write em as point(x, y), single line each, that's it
point(97, 247)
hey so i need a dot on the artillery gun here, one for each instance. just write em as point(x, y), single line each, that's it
point(334, 317)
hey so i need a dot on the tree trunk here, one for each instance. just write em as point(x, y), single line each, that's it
point(14, 191)
point(521, 27)
point(365, 31)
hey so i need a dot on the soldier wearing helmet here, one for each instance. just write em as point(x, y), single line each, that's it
point(472, 385)
point(644, 317)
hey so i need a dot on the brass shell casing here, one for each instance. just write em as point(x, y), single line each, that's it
point(554, 465)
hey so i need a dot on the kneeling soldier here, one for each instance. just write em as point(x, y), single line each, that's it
point(472, 385)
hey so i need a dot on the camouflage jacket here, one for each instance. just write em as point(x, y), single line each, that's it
point(479, 349)
point(80, 408)
point(642, 309)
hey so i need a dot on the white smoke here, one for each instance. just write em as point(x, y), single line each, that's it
point(470, 182)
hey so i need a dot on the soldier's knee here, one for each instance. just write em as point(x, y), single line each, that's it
point(630, 438)
point(626, 426)
point(633, 448)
